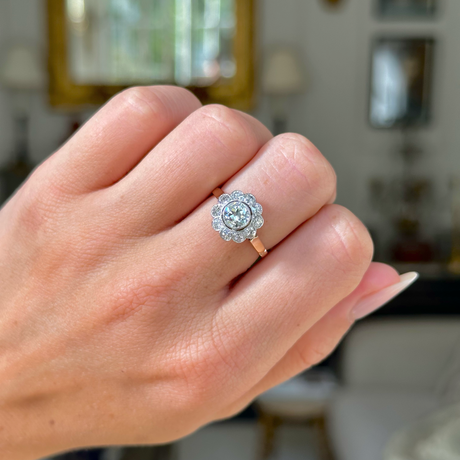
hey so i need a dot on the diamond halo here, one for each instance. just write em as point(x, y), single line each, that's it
point(237, 216)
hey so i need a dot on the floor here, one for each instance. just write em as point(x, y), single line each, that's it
point(228, 441)
point(241, 441)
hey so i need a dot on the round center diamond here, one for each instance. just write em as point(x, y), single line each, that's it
point(236, 215)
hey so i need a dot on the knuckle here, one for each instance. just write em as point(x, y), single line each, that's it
point(155, 291)
point(223, 115)
point(350, 242)
point(208, 365)
point(303, 166)
point(315, 351)
point(309, 357)
point(136, 296)
point(233, 410)
point(197, 375)
point(158, 102)
point(40, 201)
point(228, 127)
point(143, 102)
point(199, 393)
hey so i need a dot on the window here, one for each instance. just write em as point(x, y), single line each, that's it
point(99, 47)
point(124, 42)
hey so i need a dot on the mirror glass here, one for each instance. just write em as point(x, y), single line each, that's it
point(126, 42)
point(407, 8)
point(401, 82)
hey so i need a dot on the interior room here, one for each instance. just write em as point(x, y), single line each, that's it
point(375, 85)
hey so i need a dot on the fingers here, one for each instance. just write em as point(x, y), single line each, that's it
point(290, 179)
point(182, 171)
point(286, 293)
point(323, 337)
point(110, 144)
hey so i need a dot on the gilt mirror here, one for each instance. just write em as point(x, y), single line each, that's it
point(99, 47)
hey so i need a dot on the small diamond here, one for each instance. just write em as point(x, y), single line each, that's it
point(250, 199)
point(258, 221)
point(238, 237)
point(216, 211)
point(250, 233)
point(257, 208)
point(226, 234)
point(237, 195)
point(224, 198)
point(217, 224)
point(236, 215)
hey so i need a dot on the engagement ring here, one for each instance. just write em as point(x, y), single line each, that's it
point(237, 216)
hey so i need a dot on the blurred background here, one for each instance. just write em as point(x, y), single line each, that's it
point(375, 84)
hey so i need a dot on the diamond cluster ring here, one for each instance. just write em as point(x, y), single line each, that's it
point(237, 216)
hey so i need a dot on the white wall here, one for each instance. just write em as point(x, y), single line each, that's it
point(5, 121)
point(335, 45)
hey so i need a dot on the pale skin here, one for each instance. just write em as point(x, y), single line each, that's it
point(125, 318)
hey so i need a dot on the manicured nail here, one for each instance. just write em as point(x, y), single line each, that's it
point(369, 304)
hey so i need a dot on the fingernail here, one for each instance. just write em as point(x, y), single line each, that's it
point(373, 302)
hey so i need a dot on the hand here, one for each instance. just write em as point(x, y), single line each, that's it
point(125, 319)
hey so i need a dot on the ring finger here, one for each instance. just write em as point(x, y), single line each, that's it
point(291, 180)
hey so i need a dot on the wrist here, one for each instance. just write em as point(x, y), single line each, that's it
point(20, 437)
point(27, 430)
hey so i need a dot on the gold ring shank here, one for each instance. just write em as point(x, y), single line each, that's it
point(217, 192)
point(256, 242)
point(259, 246)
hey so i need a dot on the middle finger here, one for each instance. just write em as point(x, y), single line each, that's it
point(212, 144)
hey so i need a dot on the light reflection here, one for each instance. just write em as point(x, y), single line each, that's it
point(401, 82)
point(389, 98)
point(183, 42)
point(76, 11)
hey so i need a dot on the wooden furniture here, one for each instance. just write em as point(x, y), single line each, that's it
point(295, 402)
point(313, 417)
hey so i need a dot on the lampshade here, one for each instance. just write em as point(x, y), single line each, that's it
point(283, 73)
point(22, 69)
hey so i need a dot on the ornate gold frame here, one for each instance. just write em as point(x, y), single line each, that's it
point(63, 93)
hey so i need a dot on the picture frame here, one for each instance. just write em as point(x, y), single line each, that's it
point(407, 9)
point(66, 94)
point(401, 82)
